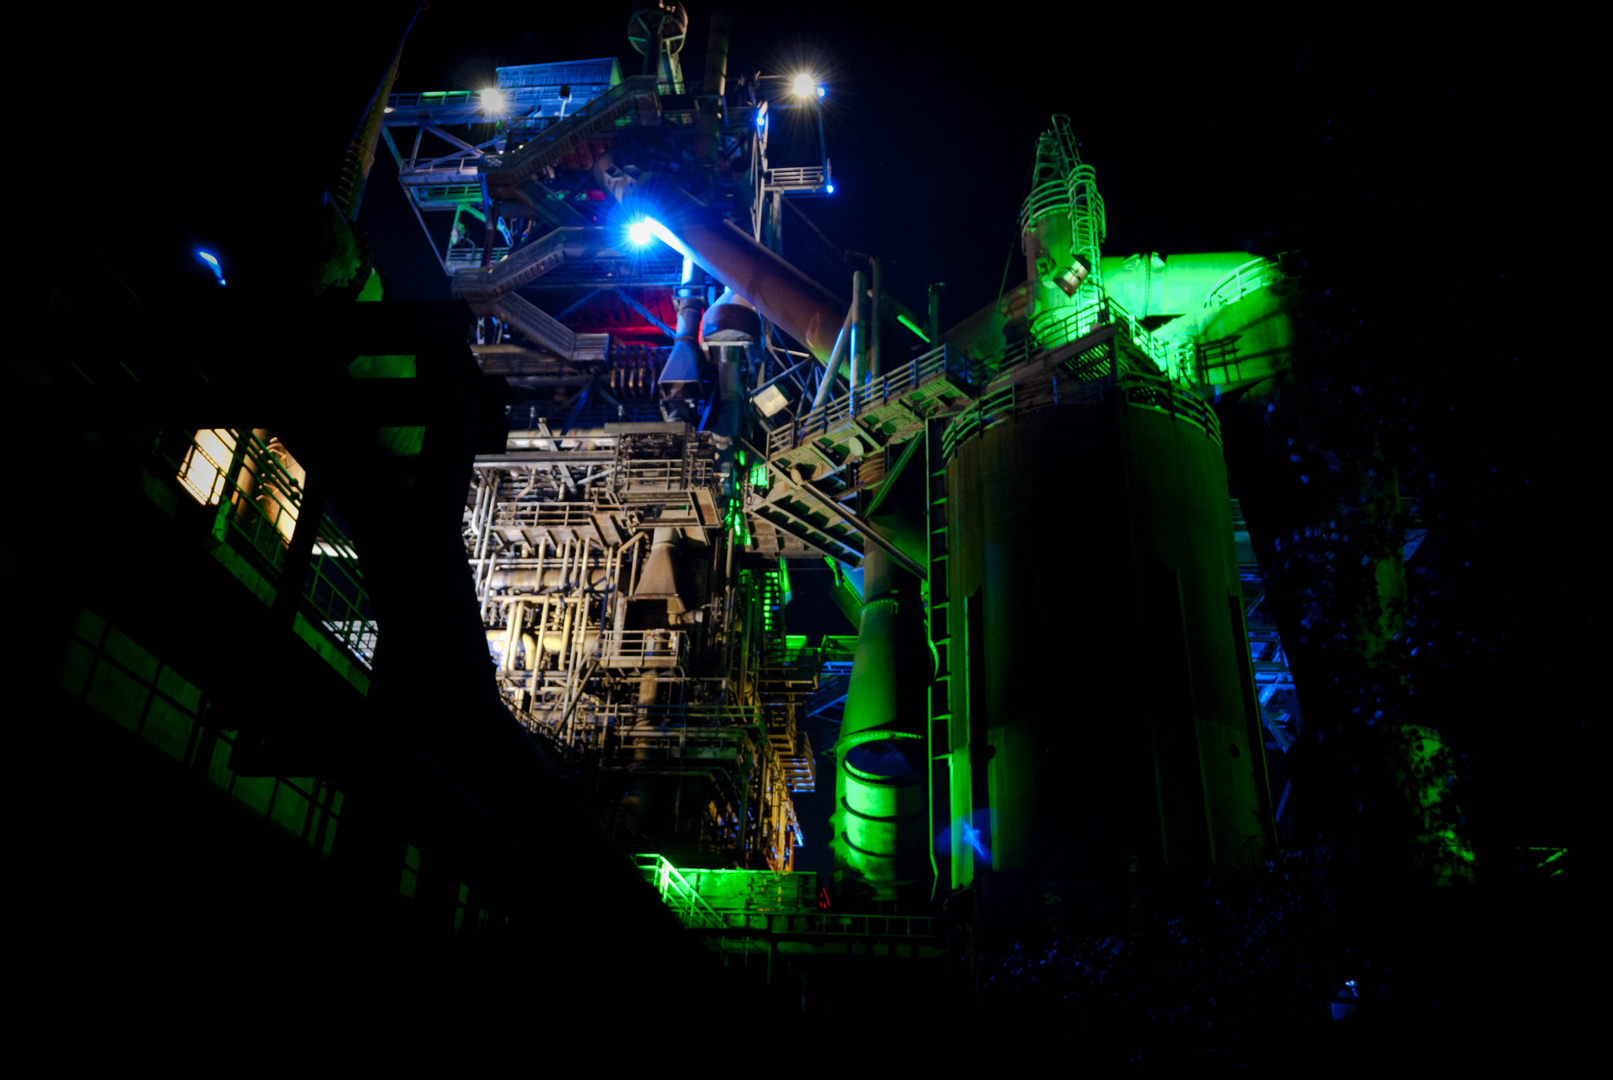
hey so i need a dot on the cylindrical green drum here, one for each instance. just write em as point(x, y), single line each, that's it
point(1103, 710)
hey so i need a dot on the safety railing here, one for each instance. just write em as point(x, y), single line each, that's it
point(639, 91)
point(939, 362)
point(406, 103)
point(663, 474)
point(826, 924)
point(677, 893)
point(785, 906)
point(811, 176)
point(1088, 221)
point(756, 891)
point(222, 465)
point(334, 592)
point(1242, 280)
point(546, 515)
point(1086, 377)
point(429, 197)
point(636, 649)
point(470, 258)
point(259, 501)
point(1048, 198)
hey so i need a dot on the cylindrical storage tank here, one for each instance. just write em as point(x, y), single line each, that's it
point(1102, 699)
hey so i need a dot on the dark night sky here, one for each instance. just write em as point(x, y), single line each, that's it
point(1421, 171)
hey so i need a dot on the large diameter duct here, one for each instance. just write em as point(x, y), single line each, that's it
point(781, 293)
point(1103, 706)
point(1154, 284)
point(711, 108)
point(717, 55)
point(880, 829)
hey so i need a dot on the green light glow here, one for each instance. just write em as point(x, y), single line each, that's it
point(905, 321)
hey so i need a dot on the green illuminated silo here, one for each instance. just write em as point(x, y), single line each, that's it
point(1103, 714)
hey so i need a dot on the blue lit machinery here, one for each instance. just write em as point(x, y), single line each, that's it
point(612, 235)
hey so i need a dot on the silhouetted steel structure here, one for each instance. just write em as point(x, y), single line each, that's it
point(1022, 512)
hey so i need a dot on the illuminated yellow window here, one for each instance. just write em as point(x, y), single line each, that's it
point(206, 462)
point(267, 489)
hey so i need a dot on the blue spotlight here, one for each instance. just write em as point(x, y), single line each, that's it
point(212, 263)
point(822, 90)
point(831, 189)
point(641, 232)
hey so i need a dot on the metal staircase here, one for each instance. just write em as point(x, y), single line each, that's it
point(544, 329)
point(636, 97)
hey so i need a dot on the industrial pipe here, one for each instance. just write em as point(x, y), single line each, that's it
point(783, 294)
point(831, 370)
point(859, 333)
point(880, 836)
point(717, 55)
point(876, 367)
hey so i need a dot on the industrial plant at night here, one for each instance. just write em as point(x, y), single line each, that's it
point(570, 577)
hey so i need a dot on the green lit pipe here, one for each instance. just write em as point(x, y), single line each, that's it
point(1154, 284)
point(880, 835)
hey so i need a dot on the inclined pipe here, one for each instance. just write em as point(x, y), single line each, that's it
point(514, 613)
point(781, 293)
point(859, 335)
point(832, 368)
point(565, 636)
point(876, 366)
point(542, 629)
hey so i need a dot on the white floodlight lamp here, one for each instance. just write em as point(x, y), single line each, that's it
point(212, 264)
point(493, 102)
point(804, 85)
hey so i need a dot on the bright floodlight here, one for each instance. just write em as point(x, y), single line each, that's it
point(805, 85)
point(640, 232)
point(212, 263)
point(492, 102)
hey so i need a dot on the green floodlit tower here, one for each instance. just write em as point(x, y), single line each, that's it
point(1061, 227)
point(1088, 545)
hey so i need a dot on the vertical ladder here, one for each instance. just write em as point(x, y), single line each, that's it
point(940, 705)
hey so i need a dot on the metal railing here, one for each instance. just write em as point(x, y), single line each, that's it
point(695, 912)
point(1048, 198)
point(1067, 385)
point(217, 466)
point(634, 92)
point(921, 370)
point(795, 177)
point(470, 258)
point(334, 591)
point(641, 648)
point(1242, 280)
point(259, 510)
point(677, 893)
